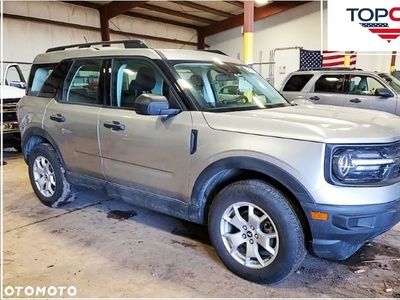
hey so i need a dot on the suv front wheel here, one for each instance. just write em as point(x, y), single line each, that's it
point(47, 176)
point(256, 232)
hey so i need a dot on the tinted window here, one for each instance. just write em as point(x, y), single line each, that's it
point(82, 82)
point(297, 82)
point(330, 84)
point(38, 77)
point(53, 82)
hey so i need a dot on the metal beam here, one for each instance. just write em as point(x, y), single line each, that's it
point(104, 24)
point(177, 13)
point(96, 29)
point(134, 14)
point(204, 8)
point(116, 8)
point(236, 3)
point(259, 13)
point(201, 41)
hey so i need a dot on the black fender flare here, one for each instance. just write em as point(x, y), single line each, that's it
point(243, 163)
point(37, 131)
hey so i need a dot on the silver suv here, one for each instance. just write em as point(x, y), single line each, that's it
point(344, 87)
point(203, 137)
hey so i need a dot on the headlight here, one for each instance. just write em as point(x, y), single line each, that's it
point(368, 165)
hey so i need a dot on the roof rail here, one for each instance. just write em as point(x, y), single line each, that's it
point(330, 69)
point(127, 44)
point(215, 51)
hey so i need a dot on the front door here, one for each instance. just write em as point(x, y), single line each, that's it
point(72, 118)
point(148, 153)
point(361, 94)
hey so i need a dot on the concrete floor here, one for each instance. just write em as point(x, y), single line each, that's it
point(85, 245)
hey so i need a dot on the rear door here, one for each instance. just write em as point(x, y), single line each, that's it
point(361, 94)
point(295, 88)
point(71, 118)
point(329, 89)
point(147, 153)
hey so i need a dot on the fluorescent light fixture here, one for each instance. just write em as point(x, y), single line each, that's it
point(262, 2)
point(129, 72)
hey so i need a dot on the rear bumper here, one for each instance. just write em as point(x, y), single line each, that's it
point(349, 227)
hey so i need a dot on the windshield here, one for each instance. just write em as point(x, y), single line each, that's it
point(392, 81)
point(218, 86)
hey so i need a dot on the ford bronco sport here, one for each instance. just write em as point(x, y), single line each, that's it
point(158, 129)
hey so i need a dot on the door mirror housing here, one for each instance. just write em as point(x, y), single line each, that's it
point(386, 93)
point(153, 105)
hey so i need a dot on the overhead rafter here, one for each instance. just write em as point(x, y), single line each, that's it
point(204, 8)
point(172, 12)
point(134, 14)
point(236, 3)
point(259, 13)
point(116, 8)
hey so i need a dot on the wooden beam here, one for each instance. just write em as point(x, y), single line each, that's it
point(96, 29)
point(134, 14)
point(204, 8)
point(116, 8)
point(236, 3)
point(177, 13)
point(201, 41)
point(259, 13)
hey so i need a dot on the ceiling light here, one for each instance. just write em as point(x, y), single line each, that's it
point(262, 2)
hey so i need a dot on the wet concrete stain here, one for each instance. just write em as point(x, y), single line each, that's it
point(186, 245)
point(121, 215)
point(373, 251)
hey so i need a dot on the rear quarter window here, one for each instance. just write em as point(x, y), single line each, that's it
point(37, 78)
point(297, 82)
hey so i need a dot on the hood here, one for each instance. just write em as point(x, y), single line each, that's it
point(10, 92)
point(317, 123)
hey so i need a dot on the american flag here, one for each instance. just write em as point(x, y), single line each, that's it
point(328, 59)
point(383, 30)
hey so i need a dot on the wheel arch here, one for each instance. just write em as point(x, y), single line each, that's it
point(35, 136)
point(226, 171)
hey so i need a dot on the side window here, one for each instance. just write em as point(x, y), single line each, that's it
point(363, 85)
point(296, 83)
point(82, 82)
point(37, 77)
point(330, 84)
point(14, 76)
point(131, 78)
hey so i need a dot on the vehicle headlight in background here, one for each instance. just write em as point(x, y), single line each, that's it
point(365, 165)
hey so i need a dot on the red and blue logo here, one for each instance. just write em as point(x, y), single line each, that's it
point(381, 21)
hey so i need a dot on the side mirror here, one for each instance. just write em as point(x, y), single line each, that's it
point(153, 105)
point(386, 93)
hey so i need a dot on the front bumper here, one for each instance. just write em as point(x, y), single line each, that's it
point(349, 227)
point(11, 135)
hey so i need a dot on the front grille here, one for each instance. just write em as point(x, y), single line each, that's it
point(9, 116)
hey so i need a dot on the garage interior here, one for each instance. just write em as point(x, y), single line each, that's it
point(107, 248)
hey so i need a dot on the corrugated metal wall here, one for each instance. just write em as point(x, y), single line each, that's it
point(23, 40)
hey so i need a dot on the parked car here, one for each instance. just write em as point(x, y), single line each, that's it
point(11, 90)
point(268, 178)
point(344, 87)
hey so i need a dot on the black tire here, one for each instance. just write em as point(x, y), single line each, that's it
point(290, 244)
point(62, 189)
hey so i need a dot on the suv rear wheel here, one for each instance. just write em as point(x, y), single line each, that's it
point(256, 232)
point(47, 176)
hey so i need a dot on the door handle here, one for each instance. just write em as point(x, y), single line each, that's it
point(58, 118)
point(114, 125)
point(315, 98)
point(356, 100)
